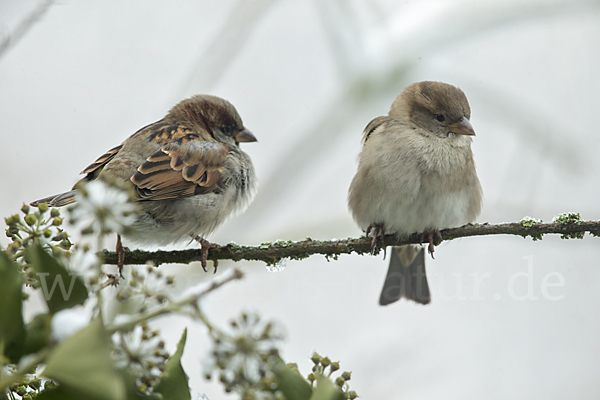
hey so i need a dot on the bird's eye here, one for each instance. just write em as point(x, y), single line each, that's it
point(227, 129)
point(439, 117)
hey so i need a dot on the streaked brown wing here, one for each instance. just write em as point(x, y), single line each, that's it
point(91, 172)
point(185, 167)
point(163, 132)
point(160, 132)
point(102, 161)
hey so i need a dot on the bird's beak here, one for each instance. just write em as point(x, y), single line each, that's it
point(245, 136)
point(462, 127)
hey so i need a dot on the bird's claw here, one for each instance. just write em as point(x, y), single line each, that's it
point(432, 236)
point(379, 230)
point(205, 245)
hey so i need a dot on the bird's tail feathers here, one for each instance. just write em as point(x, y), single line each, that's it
point(58, 200)
point(406, 277)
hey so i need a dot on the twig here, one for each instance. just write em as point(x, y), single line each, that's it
point(271, 253)
point(175, 306)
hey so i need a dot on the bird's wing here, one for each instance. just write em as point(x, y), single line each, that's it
point(186, 165)
point(374, 124)
point(93, 169)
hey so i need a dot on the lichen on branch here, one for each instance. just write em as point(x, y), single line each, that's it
point(568, 225)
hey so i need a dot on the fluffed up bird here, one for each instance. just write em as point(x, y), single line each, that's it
point(416, 174)
point(187, 170)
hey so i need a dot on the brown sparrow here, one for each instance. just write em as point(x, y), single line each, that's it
point(416, 174)
point(187, 170)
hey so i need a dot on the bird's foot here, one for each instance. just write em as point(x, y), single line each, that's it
point(433, 236)
point(378, 230)
point(121, 250)
point(205, 245)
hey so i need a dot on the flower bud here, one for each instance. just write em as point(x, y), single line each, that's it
point(49, 385)
point(293, 366)
point(36, 384)
point(30, 219)
point(22, 391)
point(316, 358)
point(87, 231)
point(59, 236)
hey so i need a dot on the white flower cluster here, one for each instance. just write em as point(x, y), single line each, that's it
point(85, 263)
point(143, 353)
point(147, 286)
point(102, 208)
point(244, 358)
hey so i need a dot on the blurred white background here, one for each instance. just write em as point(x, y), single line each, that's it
point(307, 76)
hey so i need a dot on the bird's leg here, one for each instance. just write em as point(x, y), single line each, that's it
point(205, 245)
point(432, 235)
point(120, 255)
point(438, 236)
point(379, 230)
point(431, 247)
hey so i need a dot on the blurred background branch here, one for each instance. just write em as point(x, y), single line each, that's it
point(11, 38)
point(227, 44)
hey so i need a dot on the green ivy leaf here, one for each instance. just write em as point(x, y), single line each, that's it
point(82, 363)
point(69, 393)
point(38, 333)
point(326, 390)
point(175, 383)
point(12, 331)
point(292, 384)
point(64, 393)
point(61, 290)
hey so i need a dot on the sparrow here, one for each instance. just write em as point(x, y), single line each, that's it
point(187, 171)
point(416, 174)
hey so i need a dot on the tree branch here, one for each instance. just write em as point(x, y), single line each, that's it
point(567, 225)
